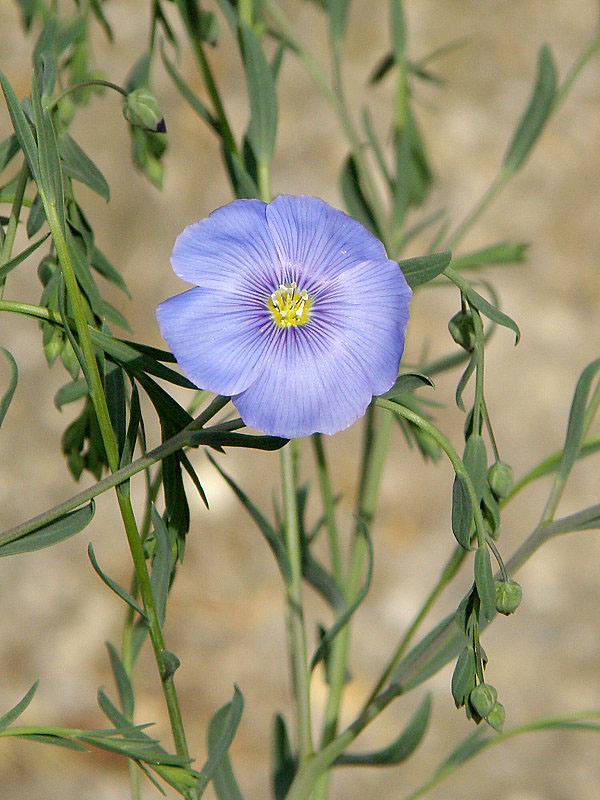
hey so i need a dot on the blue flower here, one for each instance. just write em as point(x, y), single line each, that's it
point(297, 313)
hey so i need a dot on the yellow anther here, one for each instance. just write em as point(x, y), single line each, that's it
point(289, 305)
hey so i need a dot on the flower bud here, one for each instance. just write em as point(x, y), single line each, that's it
point(496, 717)
point(142, 110)
point(462, 330)
point(483, 699)
point(500, 479)
point(508, 597)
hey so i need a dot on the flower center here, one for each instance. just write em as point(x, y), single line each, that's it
point(289, 305)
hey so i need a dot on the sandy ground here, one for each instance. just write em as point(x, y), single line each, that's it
point(226, 615)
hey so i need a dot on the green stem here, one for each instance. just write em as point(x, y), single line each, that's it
point(560, 721)
point(300, 669)
point(82, 85)
point(100, 406)
point(328, 507)
point(490, 195)
point(451, 568)
point(447, 447)
point(374, 452)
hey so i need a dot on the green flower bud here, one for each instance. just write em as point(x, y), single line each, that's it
point(496, 717)
point(500, 479)
point(483, 699)
point(142, 110)
point(508, 597)
point(462, 330)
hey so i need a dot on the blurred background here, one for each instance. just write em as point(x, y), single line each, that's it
point(226, 619)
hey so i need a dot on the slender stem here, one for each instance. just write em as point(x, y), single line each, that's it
point(449, 767)
point(300, 669)
point(490, 194)
point(447, 447)
point(451, 568)
point(328, 507)
point(100, 406)
point(264, 181)
point(13, 221)
point(82, 85)
point(374, 452)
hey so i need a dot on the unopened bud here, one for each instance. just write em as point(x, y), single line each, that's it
point(496, 717)
point(500, 479)
point(508, 597)
point(462, 330)
point(142, 110)
point(483, 698)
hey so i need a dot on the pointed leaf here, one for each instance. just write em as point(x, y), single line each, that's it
point(122, 681)
point(262, 129)
point(475, 461)
point(408, 382)
point(21, 128)
point(343, 619)
point(501, 253)
point(274, 541)
point(161, 565)
point(424, 268)
point(484, 581)
point(221, 730)
point(492, 312)
point(7, 397)
point(577, 418)
point(355, 201)
point(536, 114)
point(15, 712)
point(398, 751)
point(462, 512)
point(113, 585)
point(14, 262)
point(284, 765)
point(47, 535)
point(78, 165)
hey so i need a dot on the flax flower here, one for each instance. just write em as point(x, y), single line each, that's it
point(296, 313)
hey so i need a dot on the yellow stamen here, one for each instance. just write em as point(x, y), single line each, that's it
point(289, 305)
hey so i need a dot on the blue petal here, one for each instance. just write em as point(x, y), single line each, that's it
point(309, 384)
point(313, 239)
point(218, 339)
point(366, 307)
point(231, 247)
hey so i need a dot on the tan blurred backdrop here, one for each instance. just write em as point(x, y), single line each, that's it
point(226, 614)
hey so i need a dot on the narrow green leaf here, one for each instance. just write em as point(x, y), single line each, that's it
point(36, 216)
point(161, 565)
point(123, 684)
point(343, 619)
point(76, 164)
point(242, 182)
point(492, 312)
point(274, 541)
point(8, 150)
point(262, 129)
point(221, 730)
point(464, 379)
point(355, 201)
point(500, 253)
point(382, 68)
point(114, 387)
point(434, 651)
point(338, 14)
point(137, 360)
point(52, 738)
point(424, 268)
point(50, 173)
point(7, 397)
point(14, 262)
point(462, 512)
point(186, 464)
point(283, 762)
point(576, 419)
point(484, 581)
point(469, 747)
point(375, 145)
point(52, 533)
point(113, 585)
point(21, 128)
point(475, 461)
point(464, 677)
point(135, 420)
point(536, 113)
point(15, 712)
point(408, 382)
point(397, 752)
point(102, 265)
point(195, 103)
